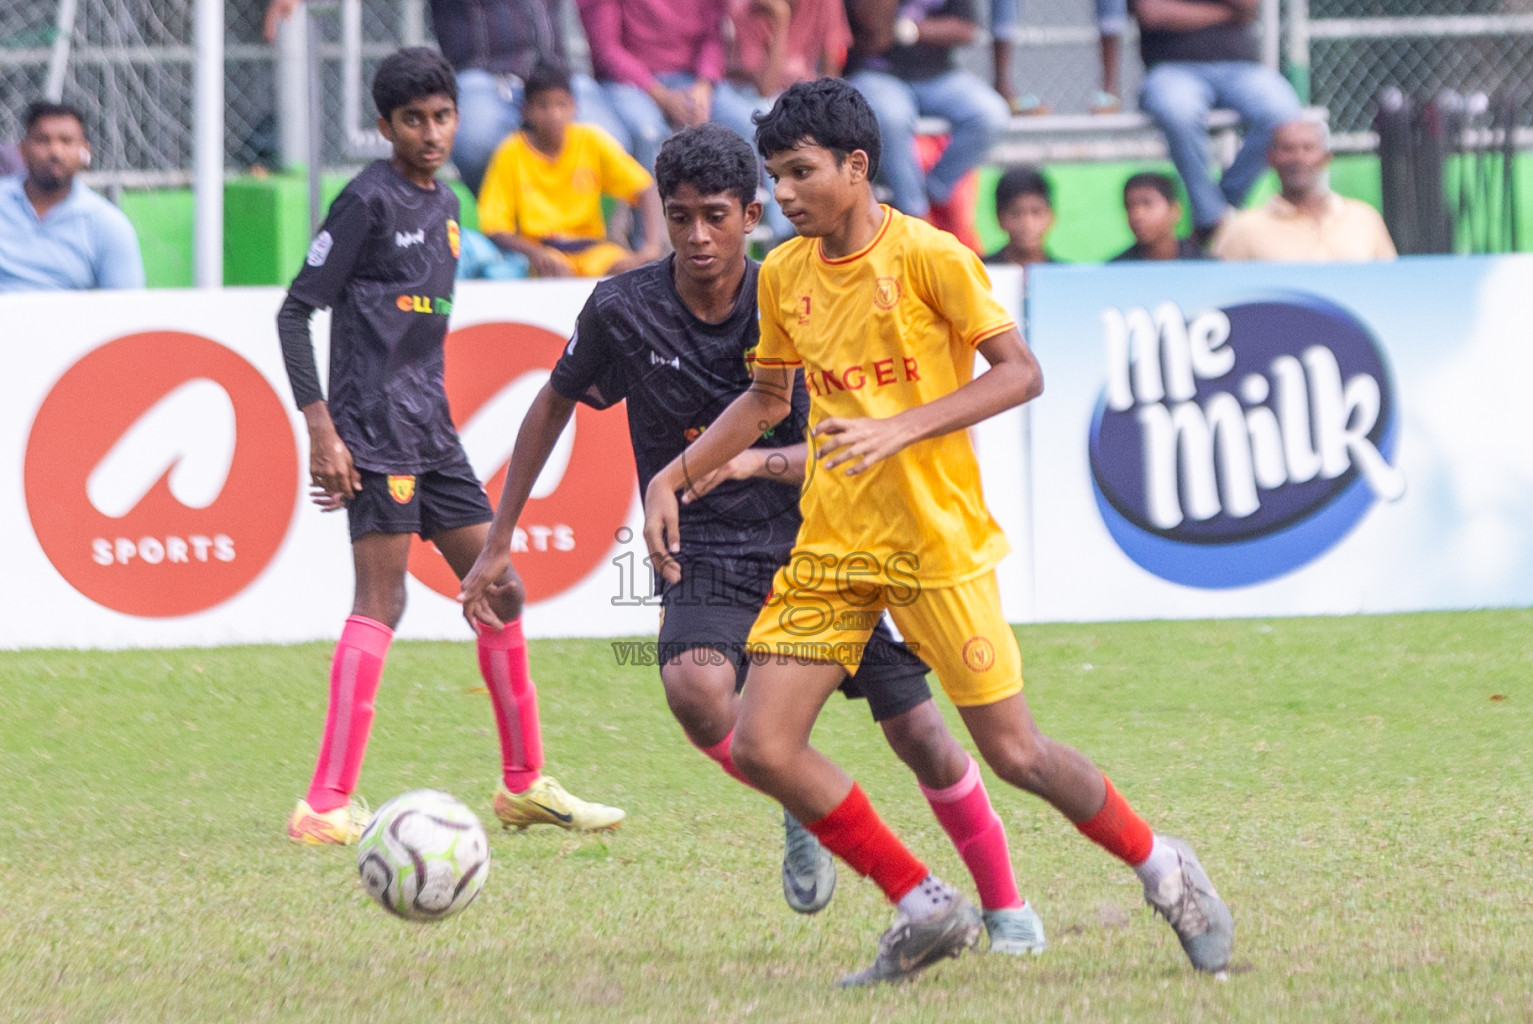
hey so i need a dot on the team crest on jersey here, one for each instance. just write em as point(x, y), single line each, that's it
point(454, 237)
point(886, 292)
point(402, 488)
point(750, 359)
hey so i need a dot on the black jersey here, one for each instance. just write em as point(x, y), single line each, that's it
point(637, 340)
point(385, 262)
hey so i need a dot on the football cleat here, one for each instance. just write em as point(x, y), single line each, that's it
point(808, 870)
point(340, 827)
point(1188, 901)
point(547, 803)
point(909, 947)
point(1016, 931)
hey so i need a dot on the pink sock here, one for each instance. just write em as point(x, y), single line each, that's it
point(976, 830)
point(354, 676)
point(503, 663)
point(720, 753)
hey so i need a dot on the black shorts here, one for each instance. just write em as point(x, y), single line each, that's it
point(708, 616)
point(425, 503)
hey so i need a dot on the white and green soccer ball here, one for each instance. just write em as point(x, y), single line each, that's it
point(424, 856)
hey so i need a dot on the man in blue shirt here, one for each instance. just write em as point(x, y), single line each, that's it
point(56, 233)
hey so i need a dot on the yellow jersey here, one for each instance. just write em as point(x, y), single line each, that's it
point(528, 193)
point(883, 330)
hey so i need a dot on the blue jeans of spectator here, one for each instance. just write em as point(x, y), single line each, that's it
point(1179, 95)
point(641, 116)
point(1006, 18)
point(490, 108)
point(977, 116)
point(733, 106)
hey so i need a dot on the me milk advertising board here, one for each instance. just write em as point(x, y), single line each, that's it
point(1255, 439)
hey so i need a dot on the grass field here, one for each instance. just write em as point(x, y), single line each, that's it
point(1360, 789)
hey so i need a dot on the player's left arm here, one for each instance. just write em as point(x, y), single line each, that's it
point(1013, 378)
point(761, 407)
point(785, 465)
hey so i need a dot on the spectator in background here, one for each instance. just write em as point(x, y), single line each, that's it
point(56, 233)
point(1306, 222)
point(10, 160)
point(772, 45)
point(902, 60)
point(542, 193)
point(493, 45)
point(658, 62)
point(1006, 32)
point(1199, 54)
point(1024, 207)
point(1154, 211)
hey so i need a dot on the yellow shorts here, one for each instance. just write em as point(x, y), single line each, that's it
point(594, 260)
point(958, 630)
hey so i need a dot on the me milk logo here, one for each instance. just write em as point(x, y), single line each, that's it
point(1242, 443)
point(161, 474)
point(581, 499)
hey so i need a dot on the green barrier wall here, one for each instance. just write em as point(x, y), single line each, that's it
point(266, 220)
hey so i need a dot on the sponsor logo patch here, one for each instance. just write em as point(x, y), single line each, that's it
point(402, 488)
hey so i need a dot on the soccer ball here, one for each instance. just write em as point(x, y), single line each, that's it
point(424, 856)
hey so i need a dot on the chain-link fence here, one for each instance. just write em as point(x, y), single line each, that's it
point(129, 65)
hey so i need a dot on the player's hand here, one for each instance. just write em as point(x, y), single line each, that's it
point(662, 529)
point(492, 575)
point(548, 262)
point(857, 443)
point(741, 467)
point(326, 501)
point(330, 465)
point(277, 12)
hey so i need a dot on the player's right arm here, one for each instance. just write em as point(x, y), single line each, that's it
point(492, 572)
point(761, 407)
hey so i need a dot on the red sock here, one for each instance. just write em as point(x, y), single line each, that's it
point(503, 663)
point(855, 833)
point(355, 672)
point(1118, 830)
point(720, 753)
point(976, 830)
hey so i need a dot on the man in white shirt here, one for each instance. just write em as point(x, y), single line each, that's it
point(1307, 222)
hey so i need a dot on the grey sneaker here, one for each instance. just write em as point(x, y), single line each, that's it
point(1195, 912)
point(808, 869)
point(909, 947)
point(1015, 931)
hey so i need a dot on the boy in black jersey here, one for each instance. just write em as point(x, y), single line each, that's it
point(675, 339)
point(384, 447)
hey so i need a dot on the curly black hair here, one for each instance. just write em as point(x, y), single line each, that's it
point(411, 74)
point(710, 158)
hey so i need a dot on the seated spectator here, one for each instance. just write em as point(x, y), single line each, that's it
point(657, 62)
point(1306, 222)
point(903, 61)
point(1024, 208)
point(1006, 32)
point(772, 45)
point(1154, 211)
point(493, 45)
point(55, 232)
point(542, 193)
point(1199, 54)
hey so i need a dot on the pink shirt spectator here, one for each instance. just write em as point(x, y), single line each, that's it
point(632, 41)
point(816, 30)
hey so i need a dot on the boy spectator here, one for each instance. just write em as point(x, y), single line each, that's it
point(55, 233)
point(1024, 208)
point(1154, 211)
point(658, 62)
point(903, 61)
point(542, 194)
point(1306, 222)
point(1199, 54)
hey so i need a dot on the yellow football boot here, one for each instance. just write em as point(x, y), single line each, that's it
point(340, 827)
point(547, 803)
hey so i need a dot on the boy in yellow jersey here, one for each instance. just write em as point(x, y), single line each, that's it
point(542, 193)
point(883, 313)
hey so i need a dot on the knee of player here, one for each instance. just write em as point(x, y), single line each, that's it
point(699, 699)
point(1021, 760)
point(760, 758)
point(383, 606)
point(508, 602)
point(921, 740)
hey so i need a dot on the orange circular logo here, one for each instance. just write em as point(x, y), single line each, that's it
point(566, 534)
point(886, 292)
point(161, 474)
point(978, 654)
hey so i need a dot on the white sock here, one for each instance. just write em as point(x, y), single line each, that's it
point(1161, 867)
point(928, 899)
